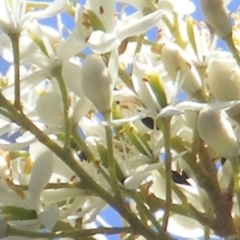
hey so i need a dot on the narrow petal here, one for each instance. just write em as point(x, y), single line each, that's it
point(49, 217)
point(27, 83)
point(169, 111)
point(184, 227)
point(105, 11)
point(133, 182)
point(177, 6)
point(41, 173)
point(71, 73)
point(101, 42)
point(140, 26)
point(54, 8)
point(81, 108)
point(9, 197)
point(70, 48)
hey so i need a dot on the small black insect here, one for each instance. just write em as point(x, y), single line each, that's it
point(148, 122)
point(82, 156)
point(180, 178)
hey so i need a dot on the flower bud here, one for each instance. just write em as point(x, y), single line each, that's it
point(217, 132)
point(176, 60)
point(97, 84)
point(217, 17)
point(223, 81)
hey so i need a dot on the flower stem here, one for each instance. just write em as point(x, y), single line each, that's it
point(16, 56)
point(111, 161)
point(57, 73)
point(168, 163)
point(205, 173)
point(68, 234)
point(65, 155)
point(145, 211)
point(235, 169)
point(119, 204)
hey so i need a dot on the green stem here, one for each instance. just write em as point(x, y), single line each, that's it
point(235, 169)
point(57, 73)
point(125, 78)
point(16, 56)
point(168, 180)
point(144, 210)
point(205, 173)
point(68, 234)
point(77, 185)
point(119, 205)
point(175, 30)
point(186, 210)
point(65, 155)
point(6, 114)
point(111, 160)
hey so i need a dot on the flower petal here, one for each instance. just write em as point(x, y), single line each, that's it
point(50, 109)
point(101, 42)
point(140, 26)
point(49, 217)
point(54, 8)
point(71, 73)
point(184, 227)
point(41, 173)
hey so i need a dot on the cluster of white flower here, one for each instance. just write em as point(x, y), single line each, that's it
point(105, 115)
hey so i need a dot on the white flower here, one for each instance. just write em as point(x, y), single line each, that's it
point(112, 31)
point(13, 16)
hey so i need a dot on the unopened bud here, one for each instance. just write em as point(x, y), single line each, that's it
point(217, 132)
point(97, 84)
point(223, 79)
point(176, 60)
point(217, 17)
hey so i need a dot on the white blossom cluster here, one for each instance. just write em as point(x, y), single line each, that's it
point(108, 115)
